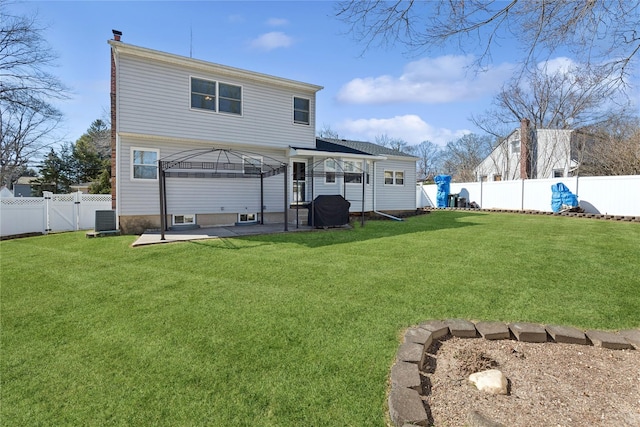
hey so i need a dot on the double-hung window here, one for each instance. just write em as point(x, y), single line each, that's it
point(144, 163)
point(300, 111)
point(393, 177)
point(215, 96)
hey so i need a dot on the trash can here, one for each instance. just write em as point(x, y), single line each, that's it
point(453, 200)
point(462, 202)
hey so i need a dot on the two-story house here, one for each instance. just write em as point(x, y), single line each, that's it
point(195, 142)
point(528, 153)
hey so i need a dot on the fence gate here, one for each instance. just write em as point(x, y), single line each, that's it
point(53, 212)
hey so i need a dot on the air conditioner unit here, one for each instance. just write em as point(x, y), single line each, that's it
point(105, 221)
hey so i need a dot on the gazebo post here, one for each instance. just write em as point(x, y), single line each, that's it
point(261, 197)
point(363, 188)
point(161, 193)
point(286, 197)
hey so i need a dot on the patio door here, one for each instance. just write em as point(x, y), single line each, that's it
point(299, 181)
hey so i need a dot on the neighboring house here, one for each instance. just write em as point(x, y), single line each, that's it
point(535, 153)
point(24, 186)
point(83, 187)
point(209, 144)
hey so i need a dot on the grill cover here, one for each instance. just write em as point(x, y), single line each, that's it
point(330, 211)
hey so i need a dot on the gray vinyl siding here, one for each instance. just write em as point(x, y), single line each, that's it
point(196, 195)
point(154, 98)
point(396, 197)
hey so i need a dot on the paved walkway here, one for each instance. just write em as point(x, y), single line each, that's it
point(152, 237)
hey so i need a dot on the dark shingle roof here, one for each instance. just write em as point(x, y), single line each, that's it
point(356, 147)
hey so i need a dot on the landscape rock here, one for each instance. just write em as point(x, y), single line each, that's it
point(476, 419)
point(406, 375)
point(491, 381)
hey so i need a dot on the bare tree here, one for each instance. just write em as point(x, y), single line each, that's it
point(611, 147)
point(460, 157)
point(429, 156)
point(566, 98)
point(397, 144)
point(596, 31)
point(27, 117)
point(327, 132)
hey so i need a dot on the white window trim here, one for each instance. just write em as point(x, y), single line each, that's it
point(293, 104)
point(131, 164)
point(393, 176)
point(193, 216)
point(247, 221)
point(217, 110)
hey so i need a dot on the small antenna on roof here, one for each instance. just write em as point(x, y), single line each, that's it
point(190, 41)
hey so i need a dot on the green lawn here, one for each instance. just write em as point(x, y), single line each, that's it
point(292, 329)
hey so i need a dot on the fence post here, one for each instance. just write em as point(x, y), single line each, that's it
point(77, 198)
point(47, 195)
point(522, 197)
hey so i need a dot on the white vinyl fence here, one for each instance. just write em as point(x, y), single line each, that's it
point(610, 195)
point(53, 212)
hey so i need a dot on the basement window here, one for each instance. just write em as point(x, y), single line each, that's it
point(247, 218)
point(184, 219)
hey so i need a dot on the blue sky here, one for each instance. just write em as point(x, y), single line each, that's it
point(370, 93)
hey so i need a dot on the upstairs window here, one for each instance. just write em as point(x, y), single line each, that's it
point(230, 99)
point(515, 146)
point(301, 111)
point(203, 94)
point(215, 96)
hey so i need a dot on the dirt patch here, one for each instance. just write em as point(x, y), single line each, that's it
point(550, 384)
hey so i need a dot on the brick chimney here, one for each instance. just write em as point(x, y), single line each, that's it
point(116, 36)
point(525, 145)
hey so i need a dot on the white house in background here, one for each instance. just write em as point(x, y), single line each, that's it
point(200, 143)
point(534, 153)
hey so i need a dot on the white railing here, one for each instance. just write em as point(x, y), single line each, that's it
point(612, 195)
point(53, 212)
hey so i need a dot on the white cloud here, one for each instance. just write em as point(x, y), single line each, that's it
point(272, 40)
point(277, 22)
point(409, 127)
point(428, 80)
point(558, 65)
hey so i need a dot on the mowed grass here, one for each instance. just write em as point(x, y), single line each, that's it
point(282, 330)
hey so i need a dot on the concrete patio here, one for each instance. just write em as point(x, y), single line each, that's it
point(152, 237)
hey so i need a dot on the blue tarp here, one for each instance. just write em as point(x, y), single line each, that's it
point(562, 198)
point(442, 196)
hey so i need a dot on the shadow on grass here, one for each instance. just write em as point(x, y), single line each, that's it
point(375, 229)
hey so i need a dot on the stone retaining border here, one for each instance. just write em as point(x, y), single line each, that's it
point(406, 404)
point(535, 212)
